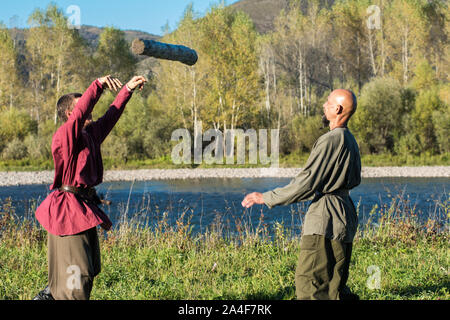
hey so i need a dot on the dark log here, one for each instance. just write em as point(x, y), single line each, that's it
point(166, 51)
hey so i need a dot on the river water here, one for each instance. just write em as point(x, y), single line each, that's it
point(216, 203)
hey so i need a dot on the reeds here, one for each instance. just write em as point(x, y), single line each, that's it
point(153, 253)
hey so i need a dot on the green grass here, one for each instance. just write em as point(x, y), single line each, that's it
point(168, 262)
point(293, 160)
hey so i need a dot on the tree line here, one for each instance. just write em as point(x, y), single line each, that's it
point(396, 62)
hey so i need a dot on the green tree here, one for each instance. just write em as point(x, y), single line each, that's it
point(437, 50)
point(424, 76)
point(304, 132)
point(406, 30)
point(15, 124)
point(56, 54)
point(351, 40)
point(228, 43)
point(9, 81)
point(113, 55)
point(378, 120)
point(427, 103)
point(441, 123)
point(180, 88)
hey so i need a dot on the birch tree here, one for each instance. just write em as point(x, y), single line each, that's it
point(56, 54)
point(9, 81)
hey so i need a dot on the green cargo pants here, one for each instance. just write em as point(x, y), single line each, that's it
point(73, 262)
point(322, 270)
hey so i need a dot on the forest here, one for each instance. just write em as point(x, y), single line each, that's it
point(393, 54)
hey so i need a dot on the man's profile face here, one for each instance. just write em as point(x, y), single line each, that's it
point(326, 106)
point(326, 112)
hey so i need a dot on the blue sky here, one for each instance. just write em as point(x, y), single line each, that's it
point(144, 15)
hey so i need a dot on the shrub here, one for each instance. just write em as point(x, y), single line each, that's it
point(441, 122)
point(15, 150)
point(427, 102)
point(115, 148)
point(304, 132)
point(15, 124)
point(377, 121)
point(38, 147)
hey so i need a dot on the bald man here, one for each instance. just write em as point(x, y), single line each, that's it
point(332, 169)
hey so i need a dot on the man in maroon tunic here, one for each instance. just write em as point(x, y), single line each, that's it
point(70, 213)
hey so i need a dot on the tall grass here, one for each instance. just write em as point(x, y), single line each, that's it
point(163, 259)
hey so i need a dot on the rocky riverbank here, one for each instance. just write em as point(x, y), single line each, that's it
point(46, 177)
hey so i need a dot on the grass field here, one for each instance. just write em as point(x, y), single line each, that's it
point(396, 258)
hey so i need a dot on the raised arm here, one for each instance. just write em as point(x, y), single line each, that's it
point(103, 126)
point(70, 131)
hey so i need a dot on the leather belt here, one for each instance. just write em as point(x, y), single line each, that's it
point(340, 192)
point(88, 194)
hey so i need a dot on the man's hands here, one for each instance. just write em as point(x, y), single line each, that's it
point(252, 198)
point(136, 82)
point(114, 84)
point(110, 83)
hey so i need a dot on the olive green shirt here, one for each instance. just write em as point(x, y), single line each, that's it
point(333, 168)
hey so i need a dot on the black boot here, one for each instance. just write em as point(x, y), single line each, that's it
point(44, 295)
point(346, 294)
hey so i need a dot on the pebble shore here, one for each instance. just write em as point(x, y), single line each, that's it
point(46, 177)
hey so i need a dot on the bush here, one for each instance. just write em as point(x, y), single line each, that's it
point(115, 148)
point(157, 140)
point(441, 122)
point(408, 144)
point(15, 150)
point(377, 121)
point(427, 103)
point(38, 147)
point(15, 124)
point(304, 132)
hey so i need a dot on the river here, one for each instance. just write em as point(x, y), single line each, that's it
point(216, 202)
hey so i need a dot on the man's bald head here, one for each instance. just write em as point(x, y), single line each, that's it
point(339, 108)
point(346, 99)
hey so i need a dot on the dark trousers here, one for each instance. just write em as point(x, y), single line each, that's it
point(323, 267)
point(73, 262)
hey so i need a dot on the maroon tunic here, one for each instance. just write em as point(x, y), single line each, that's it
point(78, 162)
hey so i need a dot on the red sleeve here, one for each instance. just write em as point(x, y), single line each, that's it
point(70, 131)
point(103, 126)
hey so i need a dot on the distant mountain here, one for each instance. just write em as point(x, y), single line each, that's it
point(91, 34)
point(264, 12)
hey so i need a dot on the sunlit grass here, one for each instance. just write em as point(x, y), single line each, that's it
point(404, 258)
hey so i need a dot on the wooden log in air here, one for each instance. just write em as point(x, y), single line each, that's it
point(166, 51)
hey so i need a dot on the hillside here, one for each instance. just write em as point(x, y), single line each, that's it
point(91, 34)
point(264, 12)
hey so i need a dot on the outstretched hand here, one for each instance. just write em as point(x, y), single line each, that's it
point(252, 198)
point(112, 84)
point(136, 82)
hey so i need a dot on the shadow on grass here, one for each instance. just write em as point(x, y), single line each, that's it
point(410, 291)
point(286, 293)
